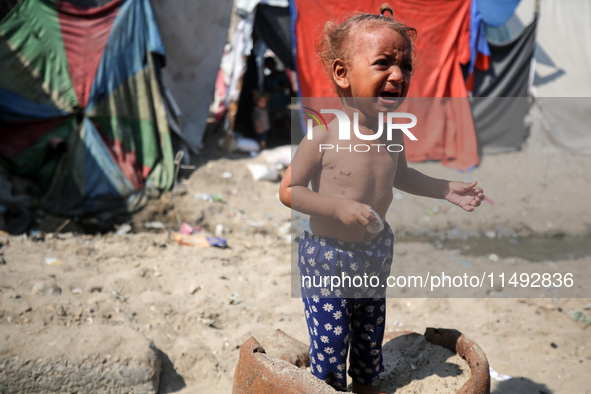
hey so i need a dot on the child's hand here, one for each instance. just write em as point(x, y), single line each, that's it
point(465, 195)
point(354, 214)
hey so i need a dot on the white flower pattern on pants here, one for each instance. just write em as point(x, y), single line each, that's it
point(339, 323)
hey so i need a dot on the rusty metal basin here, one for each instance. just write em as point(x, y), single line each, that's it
point(280, 371)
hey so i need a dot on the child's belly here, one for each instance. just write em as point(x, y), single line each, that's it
point(368, 181)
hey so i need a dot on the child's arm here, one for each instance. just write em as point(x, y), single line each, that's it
point(465, 195)
point(306, 163)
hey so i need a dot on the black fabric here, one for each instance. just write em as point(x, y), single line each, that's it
point(500, 95)
point(272, 25)
point(243, 120)
point(6, 6)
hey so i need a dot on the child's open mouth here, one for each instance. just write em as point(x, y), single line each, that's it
point(389, 96)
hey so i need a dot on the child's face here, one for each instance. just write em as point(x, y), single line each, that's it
point(380, 67)
point(262, 102)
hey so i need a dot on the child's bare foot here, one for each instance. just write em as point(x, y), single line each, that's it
point(365, 389)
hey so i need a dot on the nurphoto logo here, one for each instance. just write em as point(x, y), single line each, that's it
point(345, 129)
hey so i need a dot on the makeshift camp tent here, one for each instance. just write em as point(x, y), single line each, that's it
point(562, 73)
point(269, 21)
point(81, 111)
point(554, 88)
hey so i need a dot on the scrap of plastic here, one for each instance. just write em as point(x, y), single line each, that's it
point(501, 377)
point(209, 197)
point(154, 225)
point(281, 155)
point(247, 145)
point(186, 228)
point(53, 261)
point(203, 196)
point(201, 241)
point(124, 229)
point(377, 226)
point(190, 240)
point(217, 242)
point(262, 172)
point(580, 316)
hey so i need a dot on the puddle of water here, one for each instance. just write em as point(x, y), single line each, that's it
point(532, 248)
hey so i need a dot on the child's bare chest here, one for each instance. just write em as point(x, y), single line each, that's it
point(357, 170)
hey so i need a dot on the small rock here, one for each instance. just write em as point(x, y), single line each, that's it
point(124, 229)
point(154, 225)
point(91, 354)
point(43, 288)
point(490, 234)
point(220, 230)
point(53, 261)
point(234, 297)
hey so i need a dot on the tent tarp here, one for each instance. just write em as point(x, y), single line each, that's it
point(562, 83)
point(495, 13)
point(81, 111)
point(500, 104)
point(272, 25)
point(194, 34)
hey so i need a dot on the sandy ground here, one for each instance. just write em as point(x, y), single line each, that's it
point(198, 305)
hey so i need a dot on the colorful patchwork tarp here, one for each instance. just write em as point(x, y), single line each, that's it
point(81, 110)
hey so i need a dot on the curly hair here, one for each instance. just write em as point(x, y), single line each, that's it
point(335, 43)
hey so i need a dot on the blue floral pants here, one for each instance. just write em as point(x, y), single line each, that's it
point(343, 289)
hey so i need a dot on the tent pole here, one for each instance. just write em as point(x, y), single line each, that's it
point(537, 9)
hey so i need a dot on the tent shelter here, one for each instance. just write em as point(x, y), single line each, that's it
point(81, 107)
point(561, 78)
point(530, 81)
point(264, 24)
